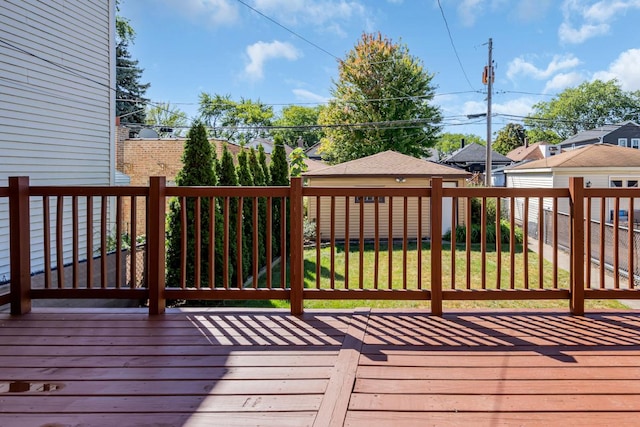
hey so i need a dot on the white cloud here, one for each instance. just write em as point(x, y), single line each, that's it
point(520, 66)
point(261, 52)
point(469, 10)
point(568, 34)
point(308, 96)
point(562, 81)
point(584, 19)
point(624, 69)
point(215, 12)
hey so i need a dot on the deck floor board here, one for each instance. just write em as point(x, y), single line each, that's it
point(355, 368)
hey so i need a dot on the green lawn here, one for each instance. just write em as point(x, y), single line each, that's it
point(369, 263)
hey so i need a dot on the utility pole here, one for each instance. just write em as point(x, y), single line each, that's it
point(488, 77)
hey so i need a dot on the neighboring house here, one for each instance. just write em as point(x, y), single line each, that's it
point(626, 134)
point(312, 152)
point(473, 157)
point(57, 77)
point(601, 165)
point(526, 152)
point(383, 170)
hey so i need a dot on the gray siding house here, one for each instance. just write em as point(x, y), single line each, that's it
point(57, 79)
point(626, 134)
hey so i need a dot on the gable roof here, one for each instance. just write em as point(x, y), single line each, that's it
point(532, 152)
point(388, 163)
point(597, 133)
point(475, 153)
point(594, 155)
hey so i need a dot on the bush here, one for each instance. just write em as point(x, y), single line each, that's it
point(476, 233)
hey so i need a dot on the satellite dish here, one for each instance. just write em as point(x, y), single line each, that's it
point(147, 133)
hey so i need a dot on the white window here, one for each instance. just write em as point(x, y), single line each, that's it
point(635, 142)
point(616, 183)
point(370, 199)
point(622, 142)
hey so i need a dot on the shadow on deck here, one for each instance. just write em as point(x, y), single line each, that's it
point(356, 368)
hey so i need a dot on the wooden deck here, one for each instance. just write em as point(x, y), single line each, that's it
point(117, 367)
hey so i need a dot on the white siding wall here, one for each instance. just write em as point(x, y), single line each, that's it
point(57, 75)
point(530, 180)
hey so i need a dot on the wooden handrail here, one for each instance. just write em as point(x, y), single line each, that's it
point(19, 244)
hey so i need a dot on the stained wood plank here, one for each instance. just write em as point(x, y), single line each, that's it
point(487, 419)
point(164, 404)
point(54, 374)
point(504, 373)
point(500, 403)
point(497, 386)
point(190, 387)
point(227, 419)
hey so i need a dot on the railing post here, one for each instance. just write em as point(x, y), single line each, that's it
point(436, 246)
point(156, 208)
point(19, 245)
point(576, 191)
point(296, 246)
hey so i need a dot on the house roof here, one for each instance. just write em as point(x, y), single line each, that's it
point(475, 153)
point(594, 155)
point(388, 163)
point(531, 152)
point(597, 133)
point(314, 165)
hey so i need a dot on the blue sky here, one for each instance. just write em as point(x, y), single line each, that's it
point(540, 47)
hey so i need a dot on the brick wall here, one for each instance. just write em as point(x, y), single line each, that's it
point(144, 158)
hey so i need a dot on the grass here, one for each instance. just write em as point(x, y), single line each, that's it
point(397, 267)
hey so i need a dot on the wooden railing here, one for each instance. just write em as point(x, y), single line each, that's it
point(370, 243)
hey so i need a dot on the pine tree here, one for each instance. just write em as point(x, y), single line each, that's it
point(259, 180)
point(245, 179)
point(262, 159)
point(279, 173)
point(228, 177)
point(198, 169)
point(130, 99)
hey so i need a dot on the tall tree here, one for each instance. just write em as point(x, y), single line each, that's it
point(510, 137)
point(227, 176)
point(449, 142)
point(299, 123)
point(259, 179)
point(167, 118)
point(130, 92)
point(279, 173)
point(239, 121)
point(590, 105)
point(245, 179)
point(380, 102)
point(198, 169)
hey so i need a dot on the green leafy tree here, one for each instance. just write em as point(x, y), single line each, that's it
point(380, 102)
point(245, 179)
point(297, 163)
point(449, 142)
point(590, 105)
point(167, 118)
point(228, 177)
point(510, 137)
point(279, 172)
point(301, 124)
point(198, 169)
point(239, 122)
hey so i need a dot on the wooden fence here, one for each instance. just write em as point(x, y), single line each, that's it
point(273, 260)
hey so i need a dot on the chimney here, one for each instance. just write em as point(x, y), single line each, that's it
point(300, 142)
point(462, 143)
point(526, 142)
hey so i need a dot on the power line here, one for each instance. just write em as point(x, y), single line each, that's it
point(289, 30)
point(446, 24)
